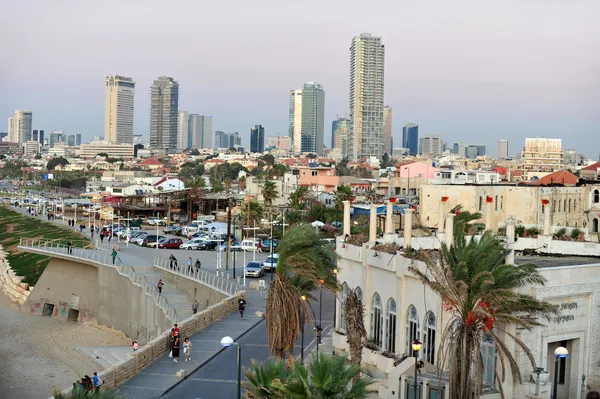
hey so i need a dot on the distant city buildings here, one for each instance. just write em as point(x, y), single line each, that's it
point(431, 145)
point(306, 118)
point(199, 131)
point(502, 149)
point(75, 140)
point(164, 113)
point(20, 127)
point(57, 136)
point(367, 57)
point(118, 109)
point(459, 149)
point(31, 148)
point(90, 150)
point(410, 138)
point(295, 120)
point(474, 151)
point(38, 135)
point(257, 139)
point(387, 130)
point(283, 143)
point(182, 130)
point(227, 140)
point(271, 141)
point(541, 155)
point(340, 129)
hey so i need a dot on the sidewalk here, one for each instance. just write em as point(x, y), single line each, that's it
point(161, 374)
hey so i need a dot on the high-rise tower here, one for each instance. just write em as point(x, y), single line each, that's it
point(313, 119)
point(20, 127)
point(367, 56)
point(295, 121)
point(118, 109)
point(164, 113)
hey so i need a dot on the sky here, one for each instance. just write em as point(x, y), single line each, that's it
point(470, 71)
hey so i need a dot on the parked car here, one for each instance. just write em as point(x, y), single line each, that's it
point(139, 238)
point(254, 269)
point(235, 246)
point(172, 230)
point(329, 241)
point(171, 243)
point(271, 262)
point(207, 245)
point(152, 240)
point(266, 245)
point(192, 244)
point(155, 221)
point(250, 244)
point(131, 231)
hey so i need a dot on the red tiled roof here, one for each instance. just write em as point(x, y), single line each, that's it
point(151, 161)
point(558, 177)
point(592, 167)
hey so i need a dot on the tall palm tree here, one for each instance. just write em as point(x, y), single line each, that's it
point(195, 182)
point(304, 261)
point(325, 376)
point(478, 290)
point(343, 193)
point(298, 198)
point(269, 192)
point(355, 326)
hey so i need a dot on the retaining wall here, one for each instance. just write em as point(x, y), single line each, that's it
point(10, 283)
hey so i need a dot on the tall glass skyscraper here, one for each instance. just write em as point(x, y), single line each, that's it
point(313, 118)
point(367, 56)
point(257, 139)
point(164, 113)
point(410, 138)
point(339, 134)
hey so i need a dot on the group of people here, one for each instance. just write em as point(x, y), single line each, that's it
point(108, 233)
point(88, 384)
point(176, 346)
point(32, 211)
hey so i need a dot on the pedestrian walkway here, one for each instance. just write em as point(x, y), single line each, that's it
point(106, 356)
point(161, 375)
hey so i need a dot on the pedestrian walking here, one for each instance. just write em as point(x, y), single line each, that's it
point(187, 349)
point(195, 306)
point(109, 234)
point(175, 349)
point(190, 264)
point(70, 247)
point(92, 233)
point(198, 264)
point(159, 286)
point(241, 305)
point(88, 384)
point(114, 255)
point(135, 346)
point(97, 381)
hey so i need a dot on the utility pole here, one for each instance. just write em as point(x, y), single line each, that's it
point(228, 233)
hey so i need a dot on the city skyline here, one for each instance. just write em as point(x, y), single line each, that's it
point(550, 91)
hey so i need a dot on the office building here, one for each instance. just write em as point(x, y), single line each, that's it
point(340, 128)
point(295, 120)
point(78, 139)
point(71, 140)
point(471, 152)
point(90, 150)
point(459, 149)
point(199, 131)
point(271, 141)
point(387, 130)
point(313, 108)
point(431, 145)
point(164, 113)
point(541, 155)
point(38, 135)
point(20, 127)
point(118, 109)
point(227, 140)
point(410, 138)
point(57, 136)
point(283, 143)
point(257, 139)
point(502, 149)
point(31, 147)
point(481, 150)
point(183, 130)
point(367, 56)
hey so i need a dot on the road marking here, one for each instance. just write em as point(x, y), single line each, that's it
point(214, 380)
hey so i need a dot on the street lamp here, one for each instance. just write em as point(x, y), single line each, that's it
point(226, 342)
point(335, 273)
point(560, 353)
point(416, 347)
point(319, 329)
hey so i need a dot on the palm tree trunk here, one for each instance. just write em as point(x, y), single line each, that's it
point(355, 328)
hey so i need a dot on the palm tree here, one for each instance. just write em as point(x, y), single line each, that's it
point(325, 376)
point(355, 326)
point(304, 262)
point(195, 182)
point(269, 192)
point(252, 213)
point(343, 193)
point(298, 198)
point(478, 290)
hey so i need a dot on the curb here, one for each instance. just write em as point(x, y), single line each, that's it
point(207, 360)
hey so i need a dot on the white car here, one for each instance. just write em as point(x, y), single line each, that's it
point(155, 221)
point(271, 262)
point(139, 239)
point(128, 232)
point(192, 244)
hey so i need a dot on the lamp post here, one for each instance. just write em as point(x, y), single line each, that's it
point(335, 273)
point(303, 297)
point(319, 329)
point(560, 353)
point(226, 342)
point(407, 183)
point(416, 347)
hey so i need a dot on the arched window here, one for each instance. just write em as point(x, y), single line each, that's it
point(569, 205)
point(343, 306)
point(574, 205)
point(564, 205)
point(376, 320)
point(359, 293)
point(596, 196)
point(412, 328)
point(429, 338)
point(595, 225)
point(554, 206)
point(488, 353)
point(390, 326)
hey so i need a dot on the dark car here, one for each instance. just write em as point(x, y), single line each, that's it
point(171, 243)
point(206, 245)
point(173, 230)
point(266, 245)
point(151, 240)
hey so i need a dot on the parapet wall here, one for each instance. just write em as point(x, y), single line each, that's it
point(11, 284)
point(159, 346)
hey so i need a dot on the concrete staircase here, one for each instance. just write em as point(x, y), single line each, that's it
point(176, 299)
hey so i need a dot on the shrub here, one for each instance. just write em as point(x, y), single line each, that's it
point(387, 248)
point(501, 231)
point(575, 234)
point(533, 232)
point(561, 233)
point(520, 230)
point(357, 239)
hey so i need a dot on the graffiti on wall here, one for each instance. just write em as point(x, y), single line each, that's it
point(61, 310)
point(37, 307)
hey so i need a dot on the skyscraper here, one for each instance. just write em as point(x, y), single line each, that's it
point(387, 129)
point(118, 109)
point(38, 135)
point(313, 118)
point(199, 131)
point(339, 134)
point(71, 140)
point(57, 136)
point(20, 127)
point(410, 138)
point(182, 130)
point(221, 139)
point(295, 119)
point(502, 149)
point(164, 113)
point(431, 144)
point(366, 137)
point(257, 139)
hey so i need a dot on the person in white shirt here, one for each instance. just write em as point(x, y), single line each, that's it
point(187, 349)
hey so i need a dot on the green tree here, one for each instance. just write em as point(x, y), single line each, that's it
point(54, 162)
point(279, 170)
point(269, 192)
point(218, 187)
point(343, 193)
point(195, 182)
point(341, 168)
point(480, 292)
point(298, 198)
point(385, 161)
point(252, 213)
point(304, 261)
point(269, 159)
point(324, 377)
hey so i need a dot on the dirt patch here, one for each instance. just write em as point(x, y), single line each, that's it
point(10, 228)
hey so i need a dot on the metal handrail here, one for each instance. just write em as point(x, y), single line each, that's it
point(220, 284)
point(104, 259)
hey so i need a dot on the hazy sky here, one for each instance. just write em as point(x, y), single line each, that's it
point(472, 71)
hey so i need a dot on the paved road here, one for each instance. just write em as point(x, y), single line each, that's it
point(218, 378)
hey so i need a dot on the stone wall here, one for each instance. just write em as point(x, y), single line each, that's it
point(159, 346)
point(10, 283)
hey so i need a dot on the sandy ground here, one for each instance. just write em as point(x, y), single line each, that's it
point(37, 353)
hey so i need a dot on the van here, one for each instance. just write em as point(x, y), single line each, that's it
point(250, 245)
